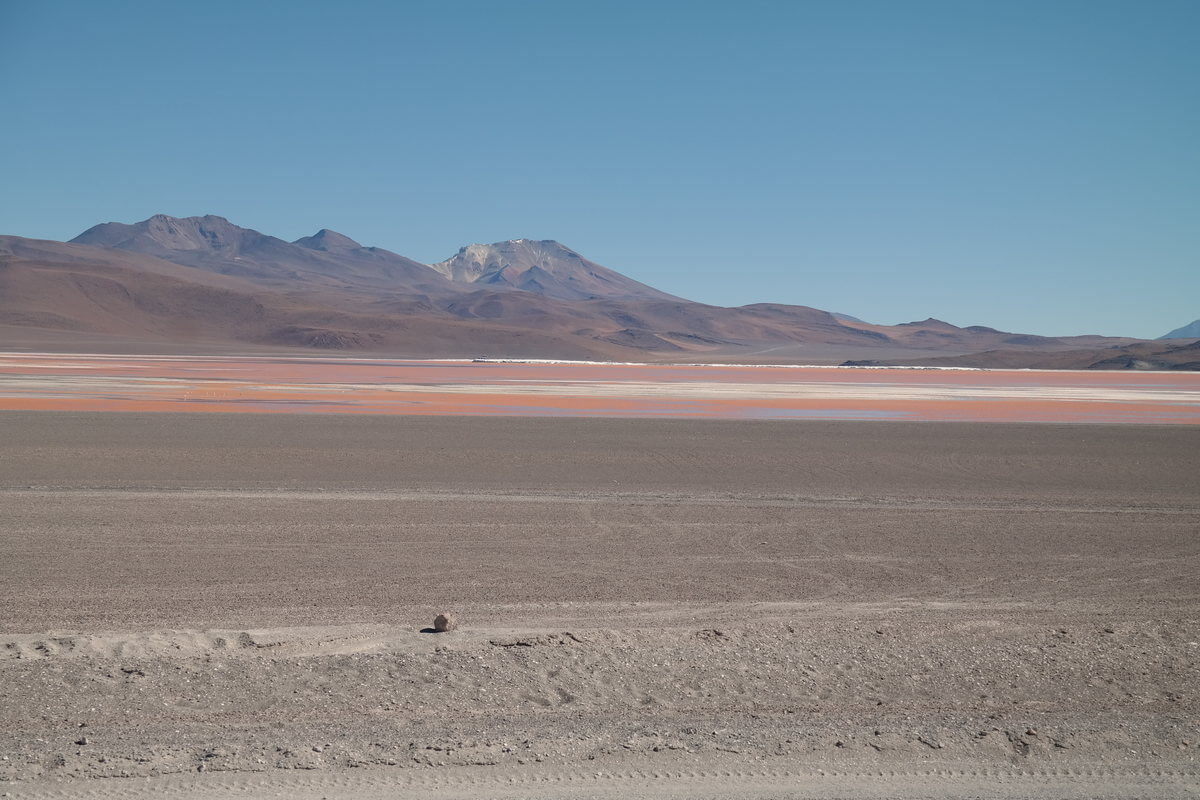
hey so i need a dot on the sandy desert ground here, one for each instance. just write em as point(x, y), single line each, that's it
point(232, 605)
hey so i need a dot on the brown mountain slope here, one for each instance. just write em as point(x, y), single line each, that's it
point(74, 287)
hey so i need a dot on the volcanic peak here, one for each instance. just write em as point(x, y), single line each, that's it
point(328, 241)
point(542, 266)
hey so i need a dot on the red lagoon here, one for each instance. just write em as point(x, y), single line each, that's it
point(38, 381)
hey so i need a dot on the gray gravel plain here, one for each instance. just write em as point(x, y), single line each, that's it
point(219, 599)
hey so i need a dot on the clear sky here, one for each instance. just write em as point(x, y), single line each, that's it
point(1032, 166)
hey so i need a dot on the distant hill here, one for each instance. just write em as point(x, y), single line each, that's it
point(1189, 331)
point(168, 280)
point(542, 267)
point(1154, 355)
point(326, 259)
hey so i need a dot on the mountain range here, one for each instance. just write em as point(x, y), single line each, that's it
point(205, 283)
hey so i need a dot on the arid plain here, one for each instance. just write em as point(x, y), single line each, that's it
point(232, 604)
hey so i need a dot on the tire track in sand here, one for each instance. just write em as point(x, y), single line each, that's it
point(948, 782)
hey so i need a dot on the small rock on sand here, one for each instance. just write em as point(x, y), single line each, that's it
point(445, 622)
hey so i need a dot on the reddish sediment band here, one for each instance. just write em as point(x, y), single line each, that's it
point(380, 386)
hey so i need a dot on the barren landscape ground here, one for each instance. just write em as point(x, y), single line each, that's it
point(232, 605)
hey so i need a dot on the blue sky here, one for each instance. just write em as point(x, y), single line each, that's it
point(1033, 166)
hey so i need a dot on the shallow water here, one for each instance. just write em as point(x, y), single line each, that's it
point(34, 381)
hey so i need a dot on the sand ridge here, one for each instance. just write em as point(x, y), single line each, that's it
point(873, 690)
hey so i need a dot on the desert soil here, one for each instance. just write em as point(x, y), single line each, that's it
point(233, 606)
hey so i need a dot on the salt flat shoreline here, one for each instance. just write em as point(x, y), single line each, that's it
point(291, 355)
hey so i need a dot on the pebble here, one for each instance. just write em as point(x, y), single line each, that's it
point(445, 622)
